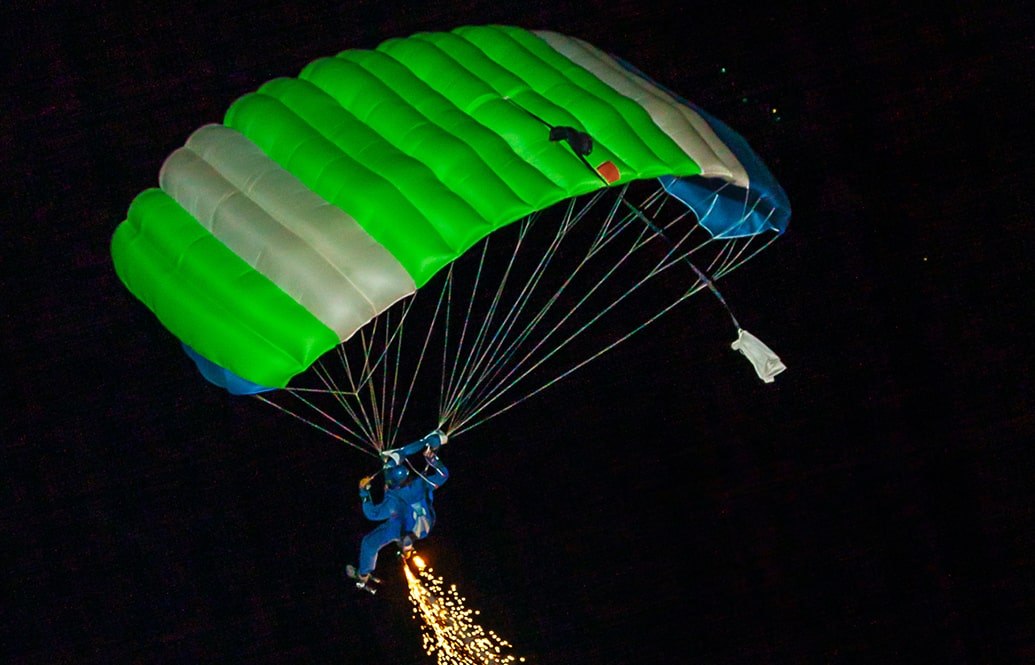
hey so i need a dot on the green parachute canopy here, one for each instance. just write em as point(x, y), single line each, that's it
point(324, 199)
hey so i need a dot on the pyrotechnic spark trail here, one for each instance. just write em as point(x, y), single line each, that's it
point(448, 627)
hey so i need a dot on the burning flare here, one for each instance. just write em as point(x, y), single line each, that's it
point(448, 627)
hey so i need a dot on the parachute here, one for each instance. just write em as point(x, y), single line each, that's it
point(325, 202)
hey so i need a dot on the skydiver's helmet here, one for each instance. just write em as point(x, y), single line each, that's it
point(396, 475)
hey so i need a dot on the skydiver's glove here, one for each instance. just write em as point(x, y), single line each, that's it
point(365, 484)
point(429, 456)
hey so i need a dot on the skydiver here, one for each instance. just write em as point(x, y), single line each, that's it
point(406, 511)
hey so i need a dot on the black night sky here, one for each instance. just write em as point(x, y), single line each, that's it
point(872, 505)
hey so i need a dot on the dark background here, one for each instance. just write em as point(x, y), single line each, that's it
point(872, 505)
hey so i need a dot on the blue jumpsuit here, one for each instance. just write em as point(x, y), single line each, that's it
point(406, 510)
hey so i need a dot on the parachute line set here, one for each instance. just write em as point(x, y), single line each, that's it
point(526, 182)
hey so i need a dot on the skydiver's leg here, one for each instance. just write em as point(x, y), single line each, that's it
point(372, 543)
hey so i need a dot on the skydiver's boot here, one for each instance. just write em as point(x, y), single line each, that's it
point(364, 582)
point(406, 549)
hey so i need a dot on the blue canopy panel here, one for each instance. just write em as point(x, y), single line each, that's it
point(223, 377)
point(725, 209)
point(728, 210)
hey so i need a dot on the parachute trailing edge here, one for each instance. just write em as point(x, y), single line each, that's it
point(729, 210)
point(324, 199)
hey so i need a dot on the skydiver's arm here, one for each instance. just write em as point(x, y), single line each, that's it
point(373, 511)
point(433, 441)
point(441, 473)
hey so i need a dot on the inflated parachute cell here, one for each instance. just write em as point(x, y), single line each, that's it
point(323, 199)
